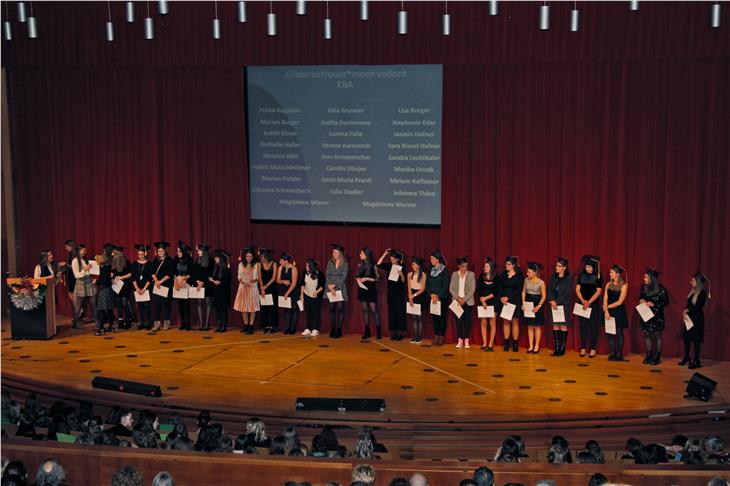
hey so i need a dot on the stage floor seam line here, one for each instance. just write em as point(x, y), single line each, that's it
point(186, 368)
point(437, 368)
point(266, 380)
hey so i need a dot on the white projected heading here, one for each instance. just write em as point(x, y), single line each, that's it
point(359, 144)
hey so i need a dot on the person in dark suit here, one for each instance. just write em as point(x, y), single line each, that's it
point(221, 281)
point(396, 293)
point(696, 300)
point(141, 282)
point(163, 272)
point(437, 289)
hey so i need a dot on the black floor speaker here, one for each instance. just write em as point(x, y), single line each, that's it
point(341, 404)
point(124, 386)
point(701, 387)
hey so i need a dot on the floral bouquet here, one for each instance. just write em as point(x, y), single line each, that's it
point(27, 295)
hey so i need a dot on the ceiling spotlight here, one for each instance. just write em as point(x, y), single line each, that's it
point(242, 12)
point(130, 11)
point(493, 7)
point(402, 20)
point(301, 7)
point(634, 5)
point(715, 15)
point(364, 10)
point(544, 17)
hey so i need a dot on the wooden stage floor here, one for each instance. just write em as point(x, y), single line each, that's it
point(264, 375)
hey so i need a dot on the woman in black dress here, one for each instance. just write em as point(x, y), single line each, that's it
point(183, 276)
point(221, 280)
point(122, 272)
point(559, 296)
point(367, 275)
point(696, 300)
point(588, 290)
point(437, 289)
point(163, 271)
point(267, 286)
point(287, 279)
point(613, 307)
point(417, 295)
point(655, 296)
point(488, 292)
point(533, 291)
point(202, 271)
point(312, 289)
point(396, 293)
point(510, 291)
point(141, 282)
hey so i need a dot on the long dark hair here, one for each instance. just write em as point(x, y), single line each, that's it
point(204, 258)
point(313, 267)
point(488, 277)
point(365, 267)
point(653, 286)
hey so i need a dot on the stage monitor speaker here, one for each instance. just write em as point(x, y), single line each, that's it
point(126, 386)
point(701, 387)
point(341, 404)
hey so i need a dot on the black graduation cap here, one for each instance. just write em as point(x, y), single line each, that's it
point(514, 260)
point(69, 243)
point(142, 247)
point(203, 246)
point(81, 245)
point(222, 254)
point(618, 268)
point(338, 247)
point(653, 273)
point(439, 256)
point(462, 260)
point(561, 260)
point(119, 248)
point(490, 260)
point(162, 244)
point(399, 254)
point(108, 247)
point(286, 257)
point(535, 266)
point(591, 260)
point(183, 246)
point(417, 260)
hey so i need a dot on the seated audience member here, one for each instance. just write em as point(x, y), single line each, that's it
point(594, 449)
point(558, 454)
point(127, 476)
point(398, 482)
point(58, 425)
point(655, 454)
point(509, 451)
point(419, 479)
point(718, 481)
point(546, 482)
point(278, 446)
point(467, 482)
point(598, 479)
point(125, 424)
point(163, 478)
point(319, 448)
point(363, 448)
point(483, 476)
point(364, 473)
point(291, 438)
point(256, 430)
point(17, 469)
point(50, 473)
point(26, 427)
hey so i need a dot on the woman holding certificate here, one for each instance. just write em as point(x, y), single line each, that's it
point(312, 288)
point(141, 281)
point(287, 282)
point(488, 290)
point(694, 319)
point(336, 281)
point(510, 295)
point(437, 289)
point(202, 271)
point(588, 290)
point(462, 288)
point(417, 296)
point(162, 277)
point(615, 312)
point(533, 297)
point(84, 287)
point(396, 292)
point(367, 293)
point(247, 297)
point(221, 281)
point(267, 286)
point(559, 300)
point(122, 275)
point(654, 296)
point(183, 272)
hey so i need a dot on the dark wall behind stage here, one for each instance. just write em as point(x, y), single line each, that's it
point(612, 140)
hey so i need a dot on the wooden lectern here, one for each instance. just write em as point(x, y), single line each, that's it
point(39, 323)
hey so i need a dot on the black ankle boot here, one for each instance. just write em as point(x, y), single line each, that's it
point(684, 361)
point(556, 344)
point(695, 364)
point(366, 334)
point(515, 345)
point(378, 333)
point(649, 358)
point(506, 344)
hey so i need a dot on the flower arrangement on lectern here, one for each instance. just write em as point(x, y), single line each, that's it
point(26, 295)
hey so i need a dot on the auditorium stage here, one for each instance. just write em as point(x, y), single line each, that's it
point(263, 375)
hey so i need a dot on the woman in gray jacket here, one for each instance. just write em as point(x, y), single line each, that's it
point(461, 288)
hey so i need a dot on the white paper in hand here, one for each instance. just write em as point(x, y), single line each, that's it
point(456, 308)
point(529, 309)
point(611, 326)
point(483, 313)
point(117, 286)
point(180, 293)
point(335, 298)
point(578, 310)
point(414, 309)
point(266, 299)
point(688, 324)
point(645, 312)
point(394, 273)
point(558, 314)
point(300, 304)
point(94, 270)
point(284, 302)
point(435, 308)
point(196, 293)
point(508, 311)
point(145, 297)
point(361, 284)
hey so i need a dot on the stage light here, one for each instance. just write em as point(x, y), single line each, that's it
point(493, 8)
point(149, 25)
point(364, 10)
point(327, 23)
point(634, 5)
point(32, 24)
point(301, 7)
point(216, 23)
point(242, 12)
point(109, 24)
point(402, 20)
point(271, 21)
point(715, 15)
point(7, 31)
point(446, 20)
point(130, 12)
point(574, 19)
point(163, 8)
point(21, 12)
point(544, 17)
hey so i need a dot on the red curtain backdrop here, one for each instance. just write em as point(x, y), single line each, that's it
point(612, 140)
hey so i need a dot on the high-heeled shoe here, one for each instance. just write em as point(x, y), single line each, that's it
point(684, 361)
point(695, 364)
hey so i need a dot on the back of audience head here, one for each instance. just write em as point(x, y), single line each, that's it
point(330, 438)
point(418, 479)
point(718, 481)
point(509, 451)
point(713, 444)
point(656, 454)
point(364, 473)
point(50, 473)
point(597, 479)
point(15, 468)
point(467, 482)
point(483, 476)
point(594, 448)
point(559, 454)
point(398, 482)
point(255, 426)
point(127, 476)
point(278, 446)
point(202, 419)
point(163, 478)
point(291, 438)
point(363, 448)
point(546, 482)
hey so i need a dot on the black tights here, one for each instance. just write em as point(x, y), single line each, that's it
point(439, 325)
point(337, 314)
point(417, 326)
point(589, 326)
point(161, 310)
point(367, 309)
point(616, 342)
point(145, 313)
point(653, 342)
point(687, 344)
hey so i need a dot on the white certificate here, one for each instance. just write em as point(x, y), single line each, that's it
point(578, 310)
point(456, 308)
point(508, 311)
point(182, 293)
point(196, 293)
point(395, 273)
point(483, 313)
point(162, 291)
point(611, 326)
point(558, 314)
point(645, 312)
point(94, 270)
point(414, 309)
point(335, 298)
point(529, 309)
point(436, 308)
point(361, 285)
point(284, 302)
point(266, 299)
point(145, 297)
point(688, 324)
point(300, 304)
point(117, 286)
